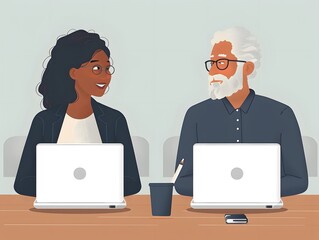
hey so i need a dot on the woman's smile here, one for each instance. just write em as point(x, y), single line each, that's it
point(101, 85)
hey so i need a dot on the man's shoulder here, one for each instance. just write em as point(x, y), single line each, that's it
point(269, 103)
point(204, 106)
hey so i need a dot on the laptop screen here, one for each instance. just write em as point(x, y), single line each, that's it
point(236, 172)
point(80, 172)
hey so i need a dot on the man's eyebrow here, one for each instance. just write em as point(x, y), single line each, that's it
point(222, 55)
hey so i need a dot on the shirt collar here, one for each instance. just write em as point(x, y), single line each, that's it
point(244, 107)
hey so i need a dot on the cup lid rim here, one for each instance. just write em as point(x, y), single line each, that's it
point(161, 184)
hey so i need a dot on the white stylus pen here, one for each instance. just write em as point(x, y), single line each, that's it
point(178, 170)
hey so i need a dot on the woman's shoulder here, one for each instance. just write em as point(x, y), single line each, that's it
point(103, 109)
point(52, 112)
point(98, 108)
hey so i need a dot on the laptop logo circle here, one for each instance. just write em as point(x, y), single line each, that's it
point(79, 173)
point(237, 173)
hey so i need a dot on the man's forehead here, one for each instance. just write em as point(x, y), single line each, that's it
point(222, 49)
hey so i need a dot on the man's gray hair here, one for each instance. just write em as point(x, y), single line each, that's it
point(244, 44)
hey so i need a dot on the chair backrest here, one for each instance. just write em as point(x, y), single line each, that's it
point(12, 151)
point(13, 147)
point(169, 156)
point(311, 152)
point(141, 149)
point(171, 144)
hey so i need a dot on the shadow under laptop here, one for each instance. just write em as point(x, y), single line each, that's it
point(236, 211)
point(79, 211)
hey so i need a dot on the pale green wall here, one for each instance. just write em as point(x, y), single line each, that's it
point(159, 47)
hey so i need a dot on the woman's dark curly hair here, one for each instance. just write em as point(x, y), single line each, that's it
point(70, 51)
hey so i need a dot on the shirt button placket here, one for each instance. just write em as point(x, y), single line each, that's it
point(237, 129)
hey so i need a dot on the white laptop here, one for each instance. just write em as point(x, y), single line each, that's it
point(79, 176)
point(236, 176)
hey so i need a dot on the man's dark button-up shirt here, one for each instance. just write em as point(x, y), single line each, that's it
point(258, 120)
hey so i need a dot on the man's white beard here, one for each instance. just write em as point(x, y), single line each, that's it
point(228, 87)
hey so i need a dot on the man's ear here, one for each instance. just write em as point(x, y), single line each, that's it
point(72, 73)
point(248, 68)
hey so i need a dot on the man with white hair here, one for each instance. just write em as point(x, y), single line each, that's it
point(235, 114)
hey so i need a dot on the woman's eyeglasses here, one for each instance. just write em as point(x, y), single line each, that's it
point(97, 69)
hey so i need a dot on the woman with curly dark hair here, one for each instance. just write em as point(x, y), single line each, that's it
point(79, 68)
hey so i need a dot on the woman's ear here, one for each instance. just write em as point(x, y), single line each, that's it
point(248, 68)
point(72, 73)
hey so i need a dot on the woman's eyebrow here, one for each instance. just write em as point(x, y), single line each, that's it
point(96, 61)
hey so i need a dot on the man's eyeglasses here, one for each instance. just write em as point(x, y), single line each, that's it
point(221, 64)
point(97, 69)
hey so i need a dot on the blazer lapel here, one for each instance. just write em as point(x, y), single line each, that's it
point(57, 123)
point(101, 120)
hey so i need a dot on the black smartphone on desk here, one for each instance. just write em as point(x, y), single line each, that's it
point(236, 219)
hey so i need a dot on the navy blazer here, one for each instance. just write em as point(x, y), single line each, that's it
point(45, 128)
